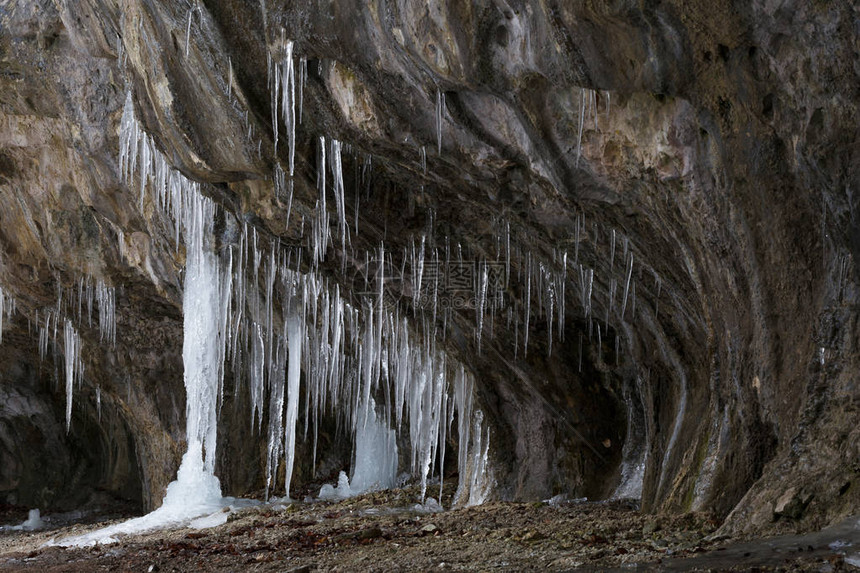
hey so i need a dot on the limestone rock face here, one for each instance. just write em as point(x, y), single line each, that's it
point(715, 146)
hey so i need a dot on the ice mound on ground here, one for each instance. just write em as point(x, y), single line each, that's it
point(193, 500)
point(375, 459)
point(33, 521)
point(429, 506)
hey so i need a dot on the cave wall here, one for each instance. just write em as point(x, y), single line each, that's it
point(720, 139)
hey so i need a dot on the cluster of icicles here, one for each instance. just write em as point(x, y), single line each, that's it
point(544, 282)
point(69, 310)
point(361, 362)
point(74, 306)
point(425, 269)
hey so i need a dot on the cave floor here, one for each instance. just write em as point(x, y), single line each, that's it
point(379, 532)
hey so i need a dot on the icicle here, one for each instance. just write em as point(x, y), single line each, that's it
point(561, 297)
point(481, 302)
point(474, 441)
point(528, 304)
point(89, 297)
point(463, 388)
point(586, 281)
point(439, 103)
point(106, 298)
point(337, 185)
point(294, 341)
point(356, 213)
point(481, 481)
point(274, 79)
point(303, 75)
point(627, 284)
point(229, 78)
point(612, 252)
point(550, 298)
point(375, 454)
point(255, 375)
point(580, 353)
point(581, 123)
point(80, 287)
point(188, 27)
point(74, 370)
point(599, 345)
point(320, 222)
point(282, 190)
point(43, 336)
point(283, 93)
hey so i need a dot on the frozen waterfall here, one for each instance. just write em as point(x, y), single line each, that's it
point(196, 492)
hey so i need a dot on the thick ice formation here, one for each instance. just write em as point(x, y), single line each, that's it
point(375, 466)
point(375, 453)
point(33, 521)
point(206, 290)
point(196, 491)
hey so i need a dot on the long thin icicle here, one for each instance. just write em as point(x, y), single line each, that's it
point(73, 364)
point(282, 83)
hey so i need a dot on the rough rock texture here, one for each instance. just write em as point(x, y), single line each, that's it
point(721, 140)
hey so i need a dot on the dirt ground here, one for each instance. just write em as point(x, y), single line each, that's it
point(385, 532)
